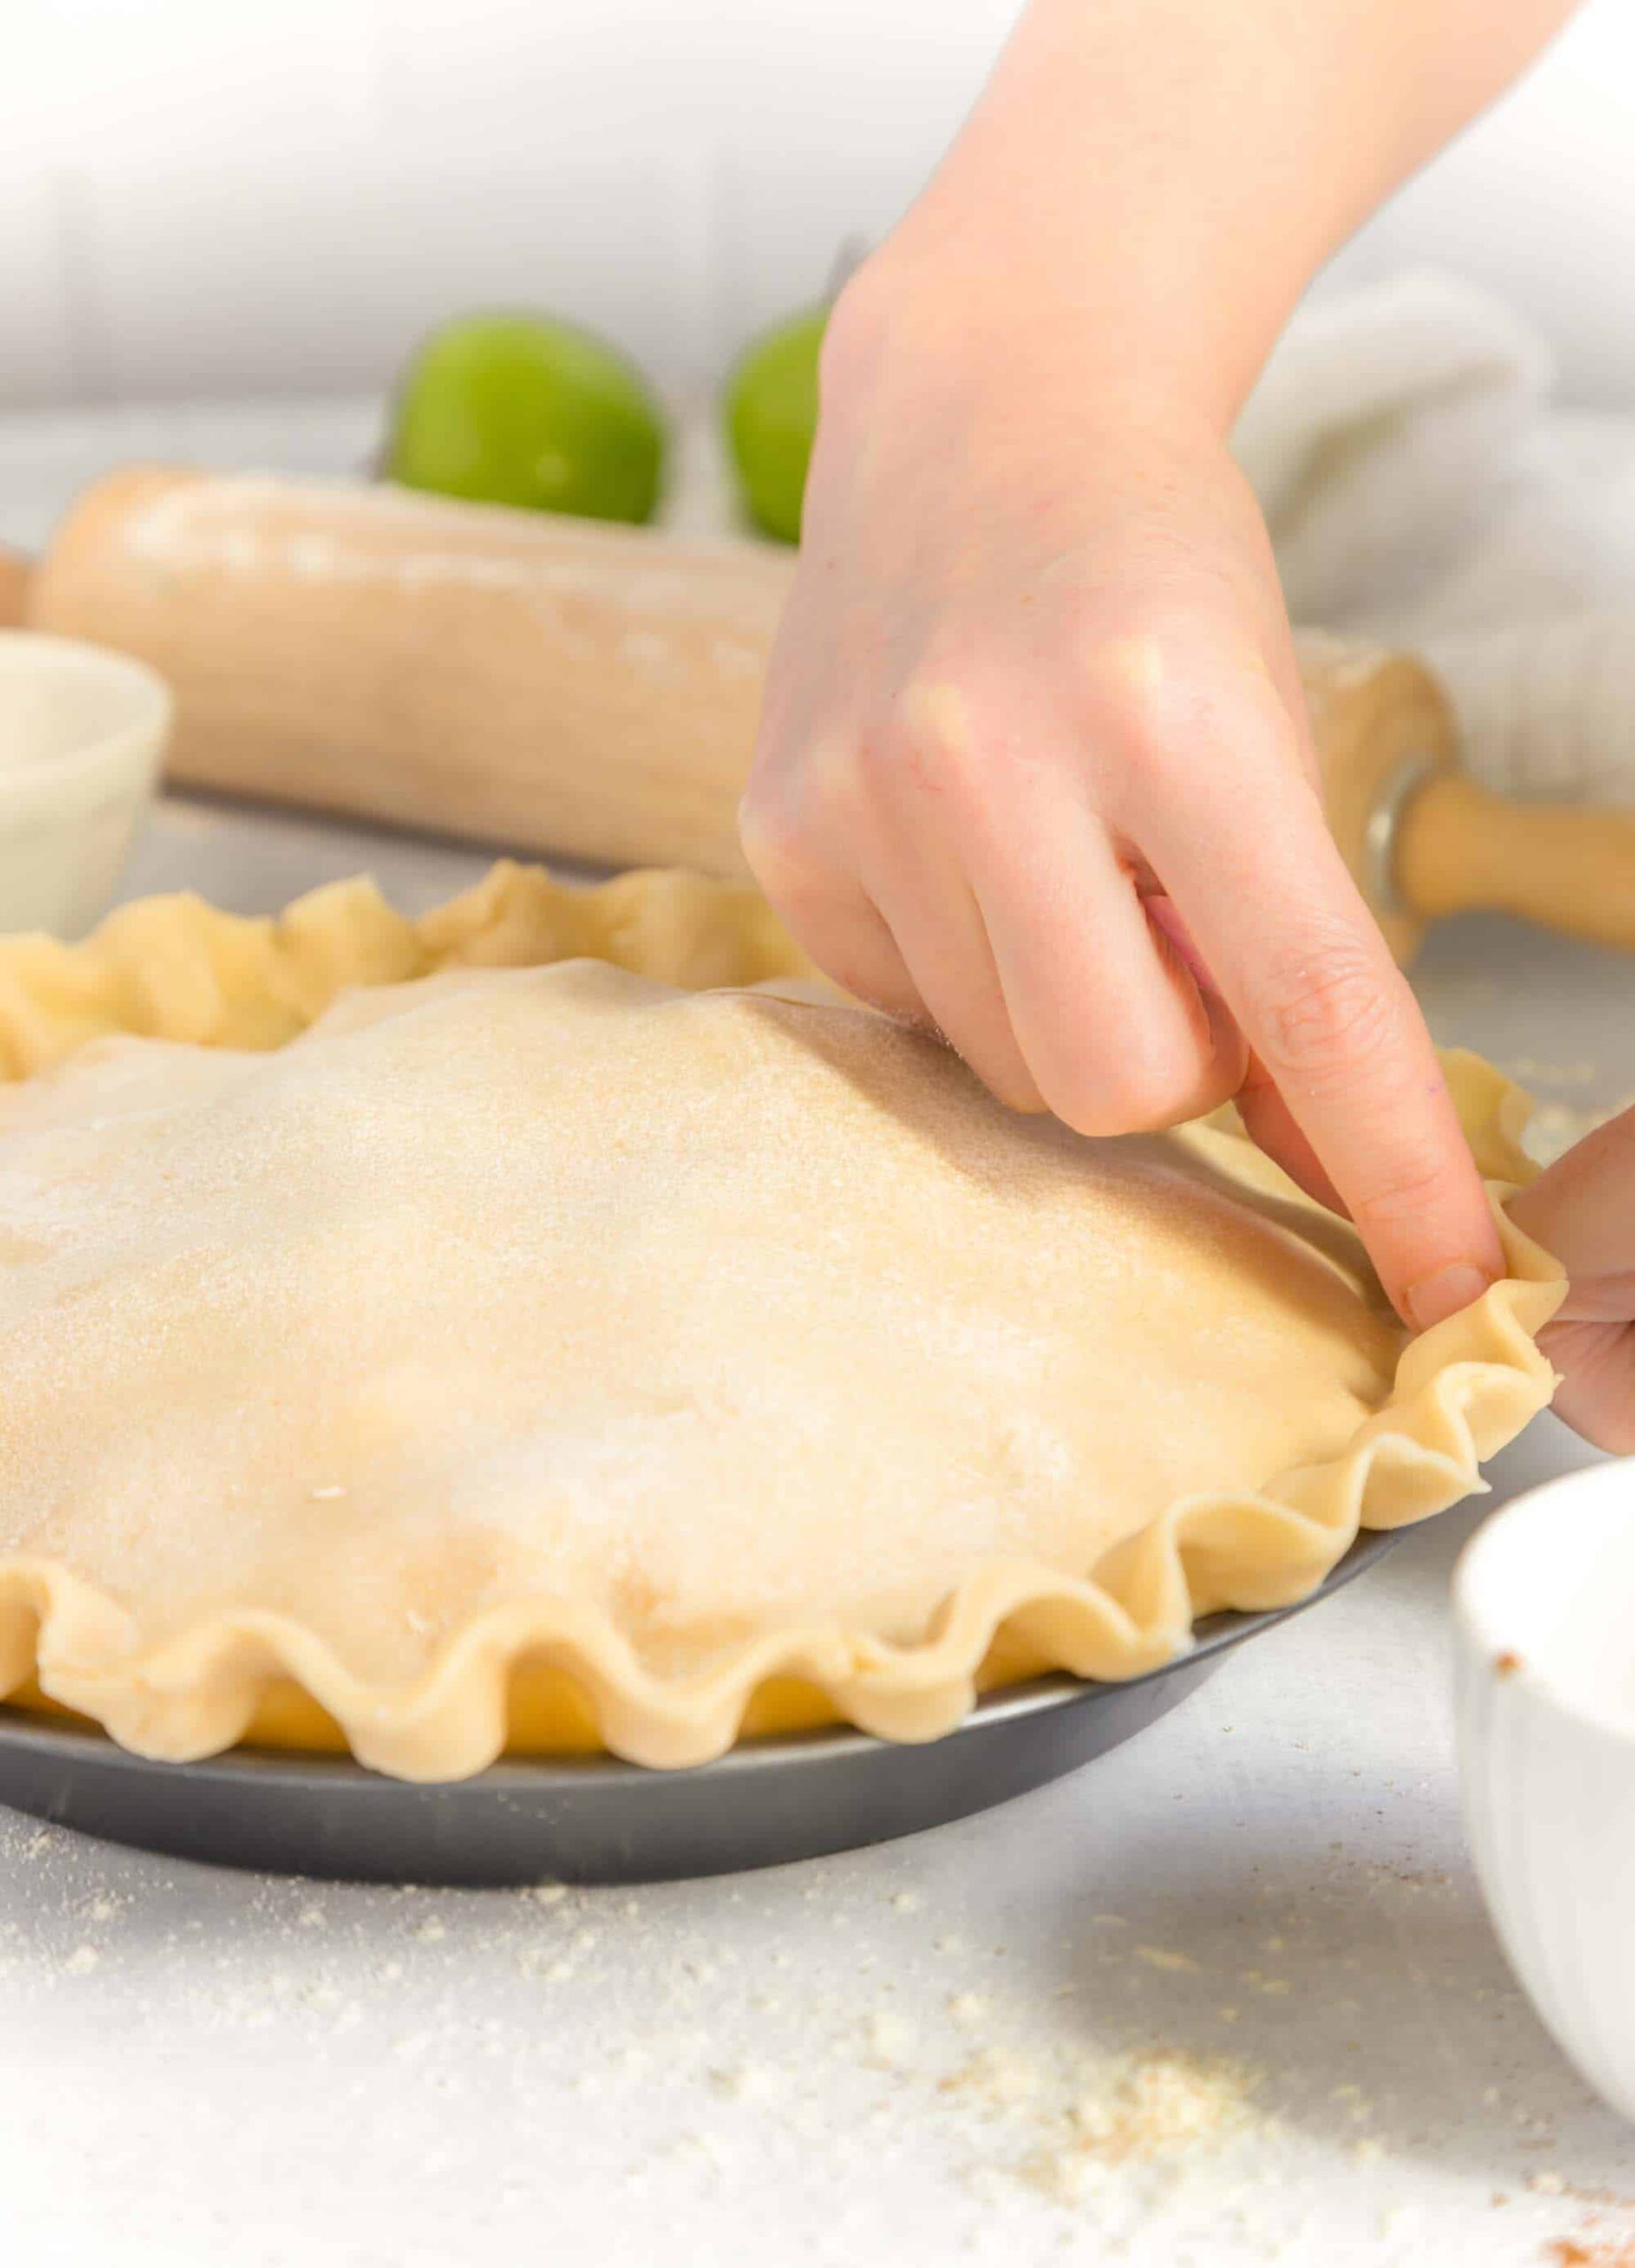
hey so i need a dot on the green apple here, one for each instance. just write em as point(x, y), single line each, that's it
point(523, 409)
point(771, 415)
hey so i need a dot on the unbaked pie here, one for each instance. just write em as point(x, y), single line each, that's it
point(553, 1321)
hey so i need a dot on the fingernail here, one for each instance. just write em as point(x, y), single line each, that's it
point(1444, 1293)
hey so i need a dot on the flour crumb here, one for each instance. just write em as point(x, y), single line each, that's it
point(540, 1962)
point(709, 2146)
point(82, 1961)
point(905, 1902)
point(1546, 2183)
point(1262, 1983)
point(1163, 1957)
point(889, 2040)
point(1154, 2107)
point(998, 2079)
point(547, 1894)
point(745, 2083)
point(967, 2008)
point(431, 1933)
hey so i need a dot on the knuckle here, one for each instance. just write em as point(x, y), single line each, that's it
point(769, 839)
point(1156, 700)
point(998, 1063)
point(1130, 673)
point(1325, 1013)
point(784, 823)
point(936, 748)
point(777, 847)
point(1128, 1096)
point(836, 790)
point(1410, 1188)
point(1597, 1360)
point(877, 985)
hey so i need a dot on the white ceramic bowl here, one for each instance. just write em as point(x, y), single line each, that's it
point(1543, 1601)
point(82, 734)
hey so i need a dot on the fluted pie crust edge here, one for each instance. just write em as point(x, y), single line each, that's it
point(548, 1674)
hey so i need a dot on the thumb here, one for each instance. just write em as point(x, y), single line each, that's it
point(1582, 1209)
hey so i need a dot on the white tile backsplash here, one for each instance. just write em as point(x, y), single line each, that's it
point(255, 196)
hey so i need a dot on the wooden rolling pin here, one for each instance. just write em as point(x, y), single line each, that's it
point(591, 691)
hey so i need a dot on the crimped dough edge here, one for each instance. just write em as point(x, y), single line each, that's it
point(178, 970)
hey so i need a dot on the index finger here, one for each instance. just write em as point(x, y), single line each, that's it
point(1301, 962)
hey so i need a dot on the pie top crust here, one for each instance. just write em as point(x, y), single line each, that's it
point(412, 1316)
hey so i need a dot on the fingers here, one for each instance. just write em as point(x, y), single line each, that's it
point(1272, 1124)
point(1583, 1210)
point(1116, 1029)
point(1050, 977)
point(938, 929)
point(1330, 1018)
point(957, 877)
point(928, 964)
point(1597, 1392)
point(830, 917)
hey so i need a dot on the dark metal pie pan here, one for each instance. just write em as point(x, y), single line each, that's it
point(595, 1818)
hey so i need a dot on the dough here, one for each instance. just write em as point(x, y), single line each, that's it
point(667, 1342)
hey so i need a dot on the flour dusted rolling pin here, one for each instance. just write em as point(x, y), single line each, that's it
point(1424, 840)
point(556, 684)
point(592, 691)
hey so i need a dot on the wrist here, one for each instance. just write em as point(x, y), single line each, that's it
point(1149, 189)
point(951, 296)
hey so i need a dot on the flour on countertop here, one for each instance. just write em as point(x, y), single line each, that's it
point(1116, 2106)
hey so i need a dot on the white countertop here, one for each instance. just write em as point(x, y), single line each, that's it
point(1264, 1901)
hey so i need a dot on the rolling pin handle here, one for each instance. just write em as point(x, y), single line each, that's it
point(1382, 831)
point(1569, 867)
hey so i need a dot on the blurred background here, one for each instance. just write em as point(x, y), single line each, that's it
point(199, 199)
point(241, 236)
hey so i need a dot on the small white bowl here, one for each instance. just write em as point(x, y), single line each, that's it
point(83, 736)
point(1544, 1602)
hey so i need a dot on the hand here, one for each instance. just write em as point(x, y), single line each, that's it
point(1583, 1210)
point(1035, 769)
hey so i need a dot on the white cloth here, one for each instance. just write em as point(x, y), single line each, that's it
point(1419, 485)
point(1420, 488)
